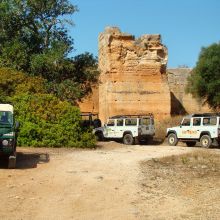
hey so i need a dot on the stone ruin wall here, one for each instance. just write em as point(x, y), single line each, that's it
point(134, 79)
point(91, 102)
point(133, 75)
point(181, 102)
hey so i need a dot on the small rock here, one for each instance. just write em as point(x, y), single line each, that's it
point(100, 177)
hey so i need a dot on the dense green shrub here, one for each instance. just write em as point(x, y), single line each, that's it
point(45, 121)
point(13, 82)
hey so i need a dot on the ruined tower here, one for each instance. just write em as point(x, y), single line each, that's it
point(133, 75)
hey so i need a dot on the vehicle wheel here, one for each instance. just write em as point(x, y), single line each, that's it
point(205, 141)
point(128, 139)
point(12, 162)
point(172, 139)
point(191, 143)
point(99, 136)
point(97, 123)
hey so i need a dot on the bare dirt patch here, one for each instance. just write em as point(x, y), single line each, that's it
point(110, 182)
point(186, 186)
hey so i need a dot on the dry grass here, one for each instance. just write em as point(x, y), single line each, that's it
point(197, 164)
point(187, 184)
point(162, 125)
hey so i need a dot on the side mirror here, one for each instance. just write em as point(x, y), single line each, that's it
point(17, 125)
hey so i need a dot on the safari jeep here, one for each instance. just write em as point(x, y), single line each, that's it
point(90, 120)
point(128, 128)
point(203, 128)
point(8, 134)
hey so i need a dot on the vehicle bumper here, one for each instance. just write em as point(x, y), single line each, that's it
point(6, 150)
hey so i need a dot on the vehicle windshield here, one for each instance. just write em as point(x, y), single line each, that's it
point(6, 118)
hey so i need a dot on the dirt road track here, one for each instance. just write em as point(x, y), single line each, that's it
point(77, 184)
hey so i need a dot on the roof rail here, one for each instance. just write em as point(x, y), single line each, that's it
point(89, 113)
point(132, 116)
point(206, 114)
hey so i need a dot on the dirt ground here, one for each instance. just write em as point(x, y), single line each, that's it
point(113, 181)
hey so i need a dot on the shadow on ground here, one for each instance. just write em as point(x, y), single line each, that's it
point(26, 160)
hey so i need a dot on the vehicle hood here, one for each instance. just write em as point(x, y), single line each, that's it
point(173, 128)
point(98, 129)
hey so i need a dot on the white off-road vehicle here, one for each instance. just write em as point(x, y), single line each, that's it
point(203, 128)
point(128, 128)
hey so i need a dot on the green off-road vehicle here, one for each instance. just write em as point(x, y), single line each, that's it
point(8, 134)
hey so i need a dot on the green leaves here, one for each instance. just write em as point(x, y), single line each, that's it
point(45, 120)
point(205, 79)
point(34, 39)
point(48, 122)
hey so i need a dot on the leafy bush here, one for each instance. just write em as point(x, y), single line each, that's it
point(14, 82)
point(45, 121)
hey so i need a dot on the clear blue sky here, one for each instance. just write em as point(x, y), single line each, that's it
point(185, 25)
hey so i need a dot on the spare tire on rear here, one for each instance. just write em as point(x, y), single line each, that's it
point(97, 123)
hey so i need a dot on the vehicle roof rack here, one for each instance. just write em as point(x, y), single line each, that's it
point(206, 114)
point(132, 116)
point(89, 113)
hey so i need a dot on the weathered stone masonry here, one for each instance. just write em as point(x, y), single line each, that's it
point(181, 102)
point(133, 75)
point(134, 79)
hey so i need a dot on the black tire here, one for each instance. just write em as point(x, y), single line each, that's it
point(12, 162)
point(172, 139)
point(97, 123)
point(128, 139)
point(205, 141)
point(99, 136)
point(191, 143)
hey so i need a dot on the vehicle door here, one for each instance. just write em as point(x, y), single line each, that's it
point(110, 129)
point(131, 125)
point(196, 128)
point(184, 131)
point(119, 128)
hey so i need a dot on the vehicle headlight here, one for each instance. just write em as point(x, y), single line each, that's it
point(5, 143)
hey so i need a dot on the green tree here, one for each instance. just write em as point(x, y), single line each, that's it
point(34, 39)
point(45, 120)
point(14, 83)
point(37, 23)
point(204, 81)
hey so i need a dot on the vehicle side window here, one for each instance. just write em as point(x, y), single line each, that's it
point(186, 122)
point(145, 121)
point(131, 122)
point(209, 121)
point(119, 122)
point(196, 121)
point(111, 123)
